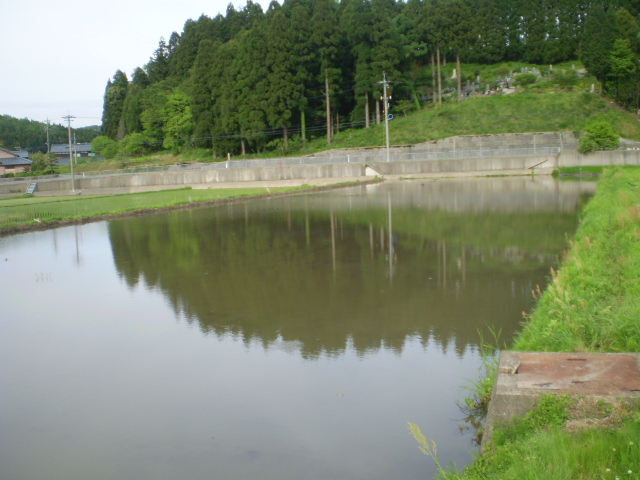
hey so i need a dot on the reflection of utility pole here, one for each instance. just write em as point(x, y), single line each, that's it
point(47, 130)
point(333, 241)
point(73, 180)
point(78, 262)
point(390, 241)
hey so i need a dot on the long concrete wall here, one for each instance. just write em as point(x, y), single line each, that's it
point(605, 158)
point(484, 165)
point(564, 141)
point(538, 163)
point(191, 177)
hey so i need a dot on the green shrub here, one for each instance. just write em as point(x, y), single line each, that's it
point(105, 147)
point(523, 79)
point(565, 78)
point(599, 136)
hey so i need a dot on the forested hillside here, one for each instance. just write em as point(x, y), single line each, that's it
point(23, 134)
point(250, 80)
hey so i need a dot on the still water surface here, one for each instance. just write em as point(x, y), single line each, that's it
point(290, 338)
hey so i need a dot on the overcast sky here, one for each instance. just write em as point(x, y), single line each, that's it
point(56, 57)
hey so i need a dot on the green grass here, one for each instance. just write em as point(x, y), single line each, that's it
point(515, 113)
point(538, 447)
point(31, 210)
point(593, 302)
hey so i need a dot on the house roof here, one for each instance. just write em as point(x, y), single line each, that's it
point(21, 153)
point(63, 148)
point(8, 158)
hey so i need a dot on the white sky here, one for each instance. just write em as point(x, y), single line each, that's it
point(56, 57)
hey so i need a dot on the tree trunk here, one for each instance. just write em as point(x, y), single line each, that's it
point(303, 123)
point(377, 112)
point(439, 74)
point(328, 102)
point(434, 89)
point(459, 77)
point(285, 136)
point(244, 151)
point(366, 110)
point(416, 98)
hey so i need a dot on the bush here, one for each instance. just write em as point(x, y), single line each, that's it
point(523, 79)
point(565, 78)
point(599, 136)
point(134, 145)
point(104, 146)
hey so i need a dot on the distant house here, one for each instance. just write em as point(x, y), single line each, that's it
point(21, 153)
point(12, 163)
point(61, 151)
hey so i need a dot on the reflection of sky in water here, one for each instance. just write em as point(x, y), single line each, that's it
point(104, 380)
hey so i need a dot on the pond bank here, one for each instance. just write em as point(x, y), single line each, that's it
point(591, 305)
point(163, 200)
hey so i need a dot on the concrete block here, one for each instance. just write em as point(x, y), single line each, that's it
point(523, 377)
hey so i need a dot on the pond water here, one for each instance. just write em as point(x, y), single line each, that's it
point(289, 338)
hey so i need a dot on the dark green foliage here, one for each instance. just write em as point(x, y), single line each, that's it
point(600, 33)
point(114, 100)
point(253, 77)
point(158, 66)
point(490, 32)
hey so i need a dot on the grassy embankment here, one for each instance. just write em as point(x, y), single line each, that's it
point(29, 210)
point(592, 304)
point(515, 113)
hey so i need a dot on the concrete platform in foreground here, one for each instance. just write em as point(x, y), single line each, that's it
point(523, 377)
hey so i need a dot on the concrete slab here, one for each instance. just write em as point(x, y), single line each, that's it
point(524, 376)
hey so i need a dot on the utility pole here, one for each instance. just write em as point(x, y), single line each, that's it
point(48, 144)
point(73, 180)
point(386, 99)
point(328, 104)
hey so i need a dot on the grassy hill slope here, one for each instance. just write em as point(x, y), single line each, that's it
point(514, 113)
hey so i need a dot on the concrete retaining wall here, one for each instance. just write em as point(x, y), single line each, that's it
point(565, 141)
point(257, 174)
point(466, 165)
point(613, 157)
point(192, 177)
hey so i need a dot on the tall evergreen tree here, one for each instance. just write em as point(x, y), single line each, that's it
point(458, 33)
point(114, 98)
point(132, 108)
point(202, 97)
point(158, 66)
point(489, 36)
point(600, 33)
point(326, 39)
